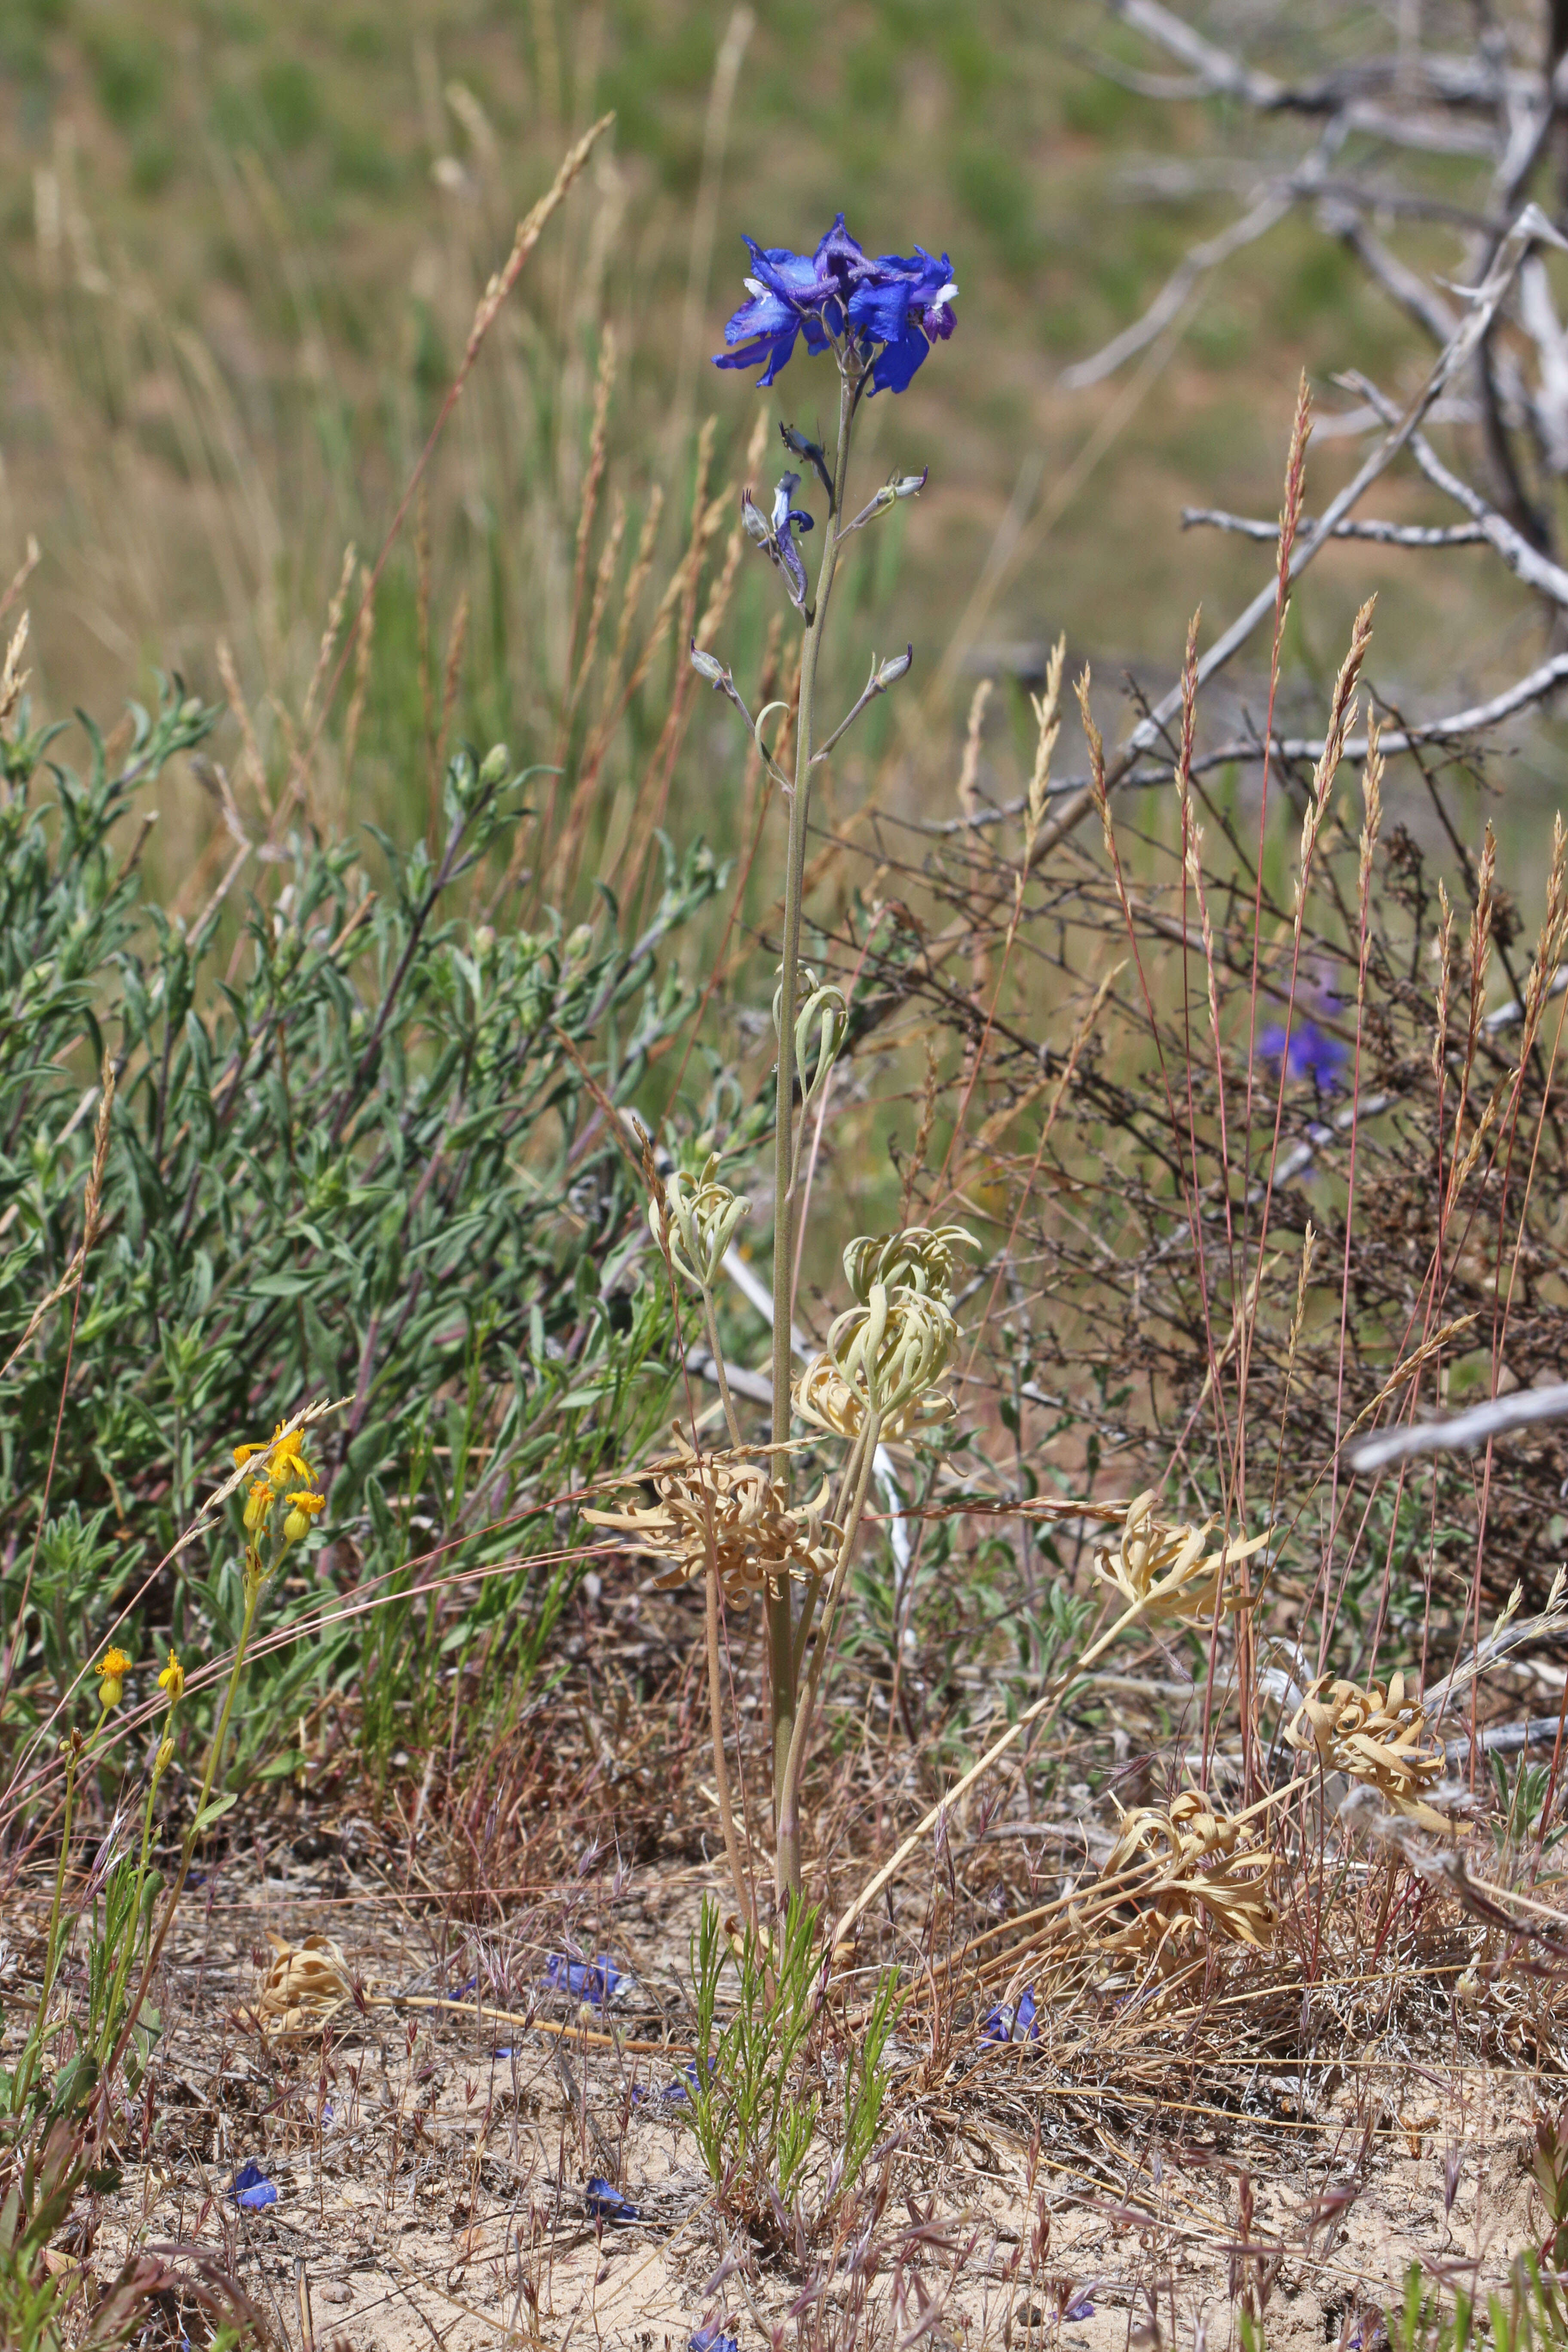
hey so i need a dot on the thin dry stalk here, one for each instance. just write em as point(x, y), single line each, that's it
point(254, 767)
point(13, 677)
point(365, 631)
point(457, 639)
point(91, 1217)
point(22, 575)
point(594, 477)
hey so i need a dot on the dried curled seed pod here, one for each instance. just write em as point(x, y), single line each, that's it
point(1207, 1874)
point(894, 1349)
point(734, 1504)
point(1166, 1568)
point(823, 1398)
point(922, 1258)
point(695, 1219)
point(1372, 1735)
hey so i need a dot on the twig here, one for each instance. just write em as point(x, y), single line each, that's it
point(1521, 1410)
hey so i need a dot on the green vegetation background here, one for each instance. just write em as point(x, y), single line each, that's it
point(240, 239)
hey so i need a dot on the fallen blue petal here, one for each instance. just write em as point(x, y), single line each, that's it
point(1007, 2023)
point(713, 2338)
point(605, 2203)
point(597, 1980)
point(251, 2189)
point(1079, 2308)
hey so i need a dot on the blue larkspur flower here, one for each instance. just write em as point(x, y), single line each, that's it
point(713, 2338)
point(786, 515)
point(894, 308)
point(1311, 1053)
point(904, 307)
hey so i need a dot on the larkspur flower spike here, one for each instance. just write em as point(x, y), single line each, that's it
point(880, 315)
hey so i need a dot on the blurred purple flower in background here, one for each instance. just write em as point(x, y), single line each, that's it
point(1312, 1053)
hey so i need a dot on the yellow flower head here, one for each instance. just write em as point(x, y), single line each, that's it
point(172, 1680)
point(284, 1457)
point(111, 1670)
point(303, 1508)
point(257, 1503)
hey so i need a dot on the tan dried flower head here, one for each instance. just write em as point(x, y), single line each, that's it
point(823, 1398)
point(921, 1257)
point(1167, 1568)
point(1204, 1872)
point(305, 1986)
point(1372, 1736)
point(695, 1219)
point(734, 1506)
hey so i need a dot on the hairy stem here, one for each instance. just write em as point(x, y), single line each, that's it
point(781, 1629)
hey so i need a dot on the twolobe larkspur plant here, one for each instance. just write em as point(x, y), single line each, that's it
point(878, 317)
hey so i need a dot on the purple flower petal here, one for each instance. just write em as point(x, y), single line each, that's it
point(606, 2203)
point(251, 2189)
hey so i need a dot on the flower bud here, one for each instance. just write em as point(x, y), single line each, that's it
point(111, 1670)
point(257, 1503)
point(910, 486)
point(172, 1680)
point(893, 668)
point(708, 667)
point(303, 1508)
point(497, 760)
point(163, 1759)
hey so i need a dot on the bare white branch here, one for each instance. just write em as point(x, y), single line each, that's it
point(1382, 534)
point(1522, 1410)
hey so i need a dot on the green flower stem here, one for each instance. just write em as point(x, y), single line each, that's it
point(122, 1964)
point(27, 2067)
point(858, 1468)
point(719, 1372)
point(780, 1619)
point(255, 1582)
point(743, 1894)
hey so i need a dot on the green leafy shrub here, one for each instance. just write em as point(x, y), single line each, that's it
point(353, 1153)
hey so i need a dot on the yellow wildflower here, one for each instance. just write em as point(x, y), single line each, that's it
point(172, 1680)
point(257, 1503)
point(304, 1510)
point(285, 1457)
point(111, 1670)
point(285, 1454)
